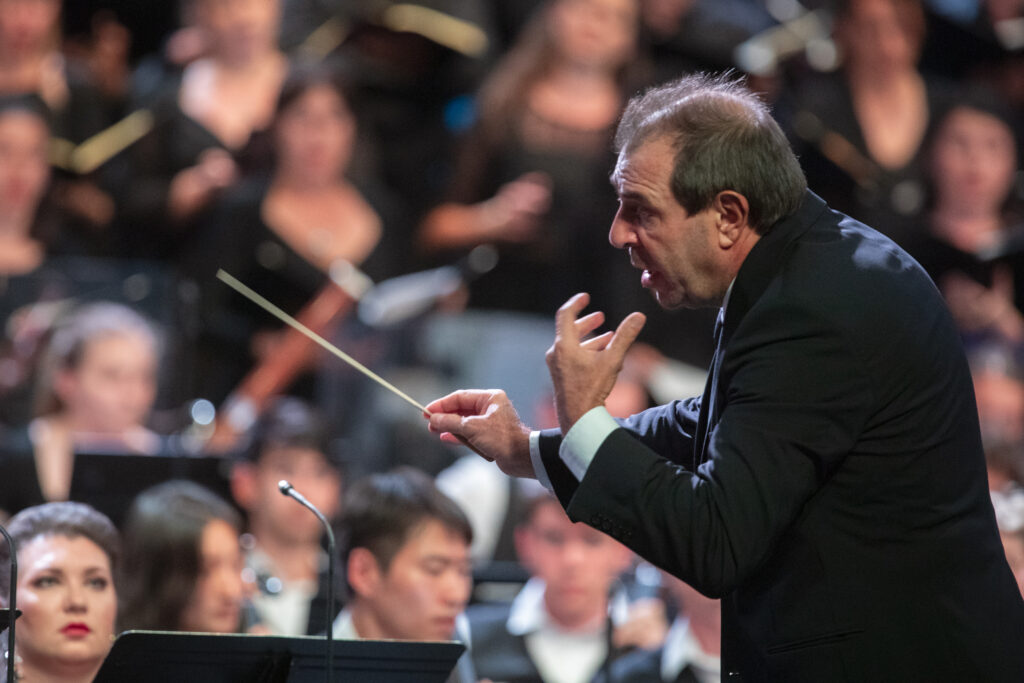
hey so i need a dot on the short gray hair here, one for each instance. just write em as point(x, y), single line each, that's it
point(724, 138)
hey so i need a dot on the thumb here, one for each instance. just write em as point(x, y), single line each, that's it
point(626, 333)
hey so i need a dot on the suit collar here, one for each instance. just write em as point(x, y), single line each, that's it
point(766, 256)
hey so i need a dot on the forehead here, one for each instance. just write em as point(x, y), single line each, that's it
point(56, 551)
point(964, 119)
point(274, 455)
point(431, 538)
point(645, 169)
point(123, 346)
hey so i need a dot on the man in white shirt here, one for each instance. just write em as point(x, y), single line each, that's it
point(284, 553)
point(556, 630)
point(405, 548)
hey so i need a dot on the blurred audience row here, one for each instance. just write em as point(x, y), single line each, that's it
point(423, 184)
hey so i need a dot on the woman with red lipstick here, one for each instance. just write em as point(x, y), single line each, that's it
point(183, 564)
point(67, 553)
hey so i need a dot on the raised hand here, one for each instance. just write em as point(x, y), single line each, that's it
point(584, 372)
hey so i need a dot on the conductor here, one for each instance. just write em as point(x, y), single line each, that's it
point(829, 484)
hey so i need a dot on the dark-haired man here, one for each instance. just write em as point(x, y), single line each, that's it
point(284, 552)
point(406, 553)
point(829, 484)
point(556, 630)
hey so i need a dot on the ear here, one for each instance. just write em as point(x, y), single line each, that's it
point(733, 212)
point(64, 382)
point(243, 485)
point(364, 573)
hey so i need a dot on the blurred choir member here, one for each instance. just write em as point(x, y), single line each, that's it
point(557, 629)
point(972, 239)
point(31, 62)
point(203, 121)
point(182, 562)
point(859, 131)
point(284, 553)
point(96, 389)
point(692, 648)
point(532, 177)
point(282, 233)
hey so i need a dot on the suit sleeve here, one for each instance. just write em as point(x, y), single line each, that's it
point(796, 401)
point(666, 429)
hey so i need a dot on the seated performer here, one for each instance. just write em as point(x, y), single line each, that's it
point(406, 553)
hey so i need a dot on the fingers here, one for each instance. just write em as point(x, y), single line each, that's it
point(441, 423)
point(465, 402)
point(589, 323)
point(597, 343)
point(565, 318)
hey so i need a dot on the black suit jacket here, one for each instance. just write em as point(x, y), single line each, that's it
point(830, 484)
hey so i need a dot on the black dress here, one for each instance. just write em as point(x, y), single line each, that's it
point(236, 238)
point(830, 144)
point(570, 250)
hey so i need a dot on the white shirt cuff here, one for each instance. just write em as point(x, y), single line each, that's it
point(538, 464)
point(582, 441)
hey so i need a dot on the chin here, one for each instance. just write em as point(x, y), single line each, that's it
point(671, 303)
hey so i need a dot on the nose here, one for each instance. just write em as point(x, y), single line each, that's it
point(229, 586)
point(456, 589)
point(74, 599)
point(574, 554)
point(621, 235)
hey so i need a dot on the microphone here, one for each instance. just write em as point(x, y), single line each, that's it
point(12, 612)
point(400, 299)
point(286, 489)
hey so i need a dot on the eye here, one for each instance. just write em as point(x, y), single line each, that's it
point(98, 583)
point(434, 568)
point(553, 538)
point(44, 582)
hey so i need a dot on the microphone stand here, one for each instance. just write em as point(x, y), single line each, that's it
point(286, 489)
point(12, 613)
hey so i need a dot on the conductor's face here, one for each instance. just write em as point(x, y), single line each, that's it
point(677, 251)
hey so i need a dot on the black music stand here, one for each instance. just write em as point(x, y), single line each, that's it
point(110, 481)
point(5, 617)
point(168, 657)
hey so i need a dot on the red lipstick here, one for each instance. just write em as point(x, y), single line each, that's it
point(76, 629)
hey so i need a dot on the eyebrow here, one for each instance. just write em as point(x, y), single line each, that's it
point(447, 560)
point(635, 196)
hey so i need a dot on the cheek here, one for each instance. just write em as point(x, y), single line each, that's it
point(324, 495)
point(39, 610)
point(202, 596)
point(417, 595)
point(106, 611)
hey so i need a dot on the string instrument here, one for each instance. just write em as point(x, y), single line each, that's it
point(344, 288)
